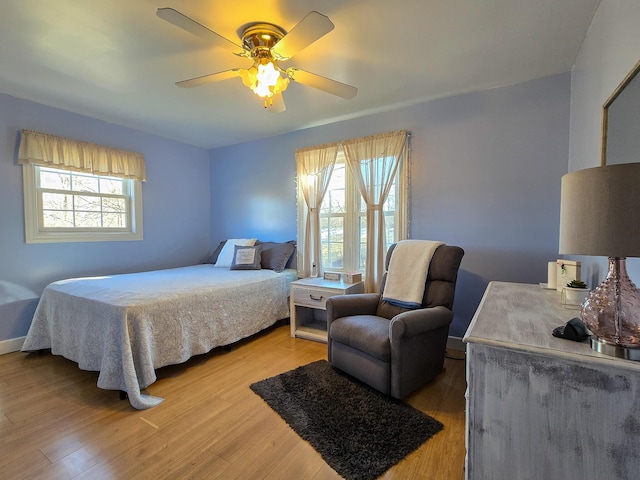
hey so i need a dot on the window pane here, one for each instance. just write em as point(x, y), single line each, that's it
point(390, 203)
point(87, 203)
point(110, 185)
point(333, 202)
point(332, 220)
point(332, 234)
point(334, 199)
point(84, 184)
point(114, 205)
point(88, 220)
point(362, 247)
point(324, 240)
point(55, 180)
point(324, 229)
point(336, 255)
point(114, 220)
point(57, 201)
point(336, 229)
point(57, 219)
point(390, 227)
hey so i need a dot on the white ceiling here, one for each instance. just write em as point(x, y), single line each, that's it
point(117, 61)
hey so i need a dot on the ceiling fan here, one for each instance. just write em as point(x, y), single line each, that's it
point(266, 44)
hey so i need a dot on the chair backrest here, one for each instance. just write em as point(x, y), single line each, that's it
point(440, 286)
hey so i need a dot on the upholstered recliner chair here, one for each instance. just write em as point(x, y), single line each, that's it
point(391, 348)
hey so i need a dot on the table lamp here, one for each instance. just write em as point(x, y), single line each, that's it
point(600, 215)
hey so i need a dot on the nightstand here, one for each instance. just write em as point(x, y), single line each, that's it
point(308, 298)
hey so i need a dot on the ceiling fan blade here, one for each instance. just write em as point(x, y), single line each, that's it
point(213, 77)
point(322, 83)
point(276, 105)
point(307, 31)
point(191, 26)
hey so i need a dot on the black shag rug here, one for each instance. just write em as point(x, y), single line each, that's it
point(359, 432)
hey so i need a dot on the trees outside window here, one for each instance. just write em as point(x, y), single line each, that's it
point(68, 206)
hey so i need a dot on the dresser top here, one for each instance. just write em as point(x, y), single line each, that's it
point(522, 316)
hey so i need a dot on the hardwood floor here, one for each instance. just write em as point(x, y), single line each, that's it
point(56, 424)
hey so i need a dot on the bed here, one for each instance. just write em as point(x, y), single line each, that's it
point(126, 326)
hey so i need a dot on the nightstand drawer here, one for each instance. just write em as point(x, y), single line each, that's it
point(310, 297)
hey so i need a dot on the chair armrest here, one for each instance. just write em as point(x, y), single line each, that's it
point(416, 322)
point(355, 304)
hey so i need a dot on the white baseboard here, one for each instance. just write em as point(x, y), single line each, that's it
point(456, 343)
point(11, 345)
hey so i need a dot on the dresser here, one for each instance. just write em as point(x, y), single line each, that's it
point(540, 407)
point(308, 298)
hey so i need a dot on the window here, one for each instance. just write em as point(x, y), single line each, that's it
point(343, 221)
point(335, 229)
point(69, 206)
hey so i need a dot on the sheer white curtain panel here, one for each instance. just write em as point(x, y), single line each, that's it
point(374, 161)
point(314, 168)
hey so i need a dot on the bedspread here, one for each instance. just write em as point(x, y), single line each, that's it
point(126, 326)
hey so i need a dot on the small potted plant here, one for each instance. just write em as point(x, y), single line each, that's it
point(575, 292)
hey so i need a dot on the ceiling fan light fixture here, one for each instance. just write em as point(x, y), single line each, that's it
point(264, 78)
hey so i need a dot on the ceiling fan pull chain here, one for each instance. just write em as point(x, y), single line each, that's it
point(268, 99)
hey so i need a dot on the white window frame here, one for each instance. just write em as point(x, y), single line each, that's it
point(35, 233)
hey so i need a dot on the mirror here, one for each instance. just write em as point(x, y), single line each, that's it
point(621, 122)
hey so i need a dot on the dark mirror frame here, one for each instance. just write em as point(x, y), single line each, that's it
point(605, 109)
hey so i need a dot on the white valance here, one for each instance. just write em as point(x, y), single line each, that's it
point(64, 153)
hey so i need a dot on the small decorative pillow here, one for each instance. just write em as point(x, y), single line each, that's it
point(247, 258)
point(276, 255)
point(227, 253)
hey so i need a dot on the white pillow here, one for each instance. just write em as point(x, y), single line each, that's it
point(225, 259)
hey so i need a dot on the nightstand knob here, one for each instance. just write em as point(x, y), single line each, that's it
point(314, 297)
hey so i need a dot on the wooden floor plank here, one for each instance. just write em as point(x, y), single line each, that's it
point(55, 423)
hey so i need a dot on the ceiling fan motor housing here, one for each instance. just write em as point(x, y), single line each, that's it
point(261, 37)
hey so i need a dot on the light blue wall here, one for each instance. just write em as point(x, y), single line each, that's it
point(485, 175)
point(486, 171)
point(176, 211)
point(253, 191)
point(608, 52)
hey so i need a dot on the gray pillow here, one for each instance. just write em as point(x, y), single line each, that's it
point(276, 255)
point(246, 258)
point(213, 258)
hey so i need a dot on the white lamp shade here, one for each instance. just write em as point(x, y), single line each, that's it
point(600, 211)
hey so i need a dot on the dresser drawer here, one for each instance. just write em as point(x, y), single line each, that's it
point(312, 297)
